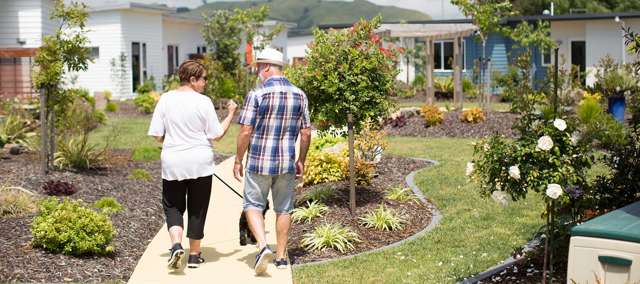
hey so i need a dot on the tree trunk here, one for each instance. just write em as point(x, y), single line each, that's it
point(483, 75)
point(352, 182)
point(52, 136)
point(44, 155)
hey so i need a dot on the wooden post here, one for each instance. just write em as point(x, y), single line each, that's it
point(44, 156)
point(52, 137)
point(352, 182)
point(457, 76)
point(429, 70)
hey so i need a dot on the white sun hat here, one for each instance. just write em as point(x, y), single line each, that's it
point(270, 56)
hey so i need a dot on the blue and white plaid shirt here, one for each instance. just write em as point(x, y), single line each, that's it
point(277, 110)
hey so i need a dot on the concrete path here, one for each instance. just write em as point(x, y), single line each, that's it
point(225, 260)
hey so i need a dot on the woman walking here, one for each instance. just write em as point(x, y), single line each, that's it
point(186, 124)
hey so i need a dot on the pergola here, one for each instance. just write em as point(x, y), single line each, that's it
point(431, 32)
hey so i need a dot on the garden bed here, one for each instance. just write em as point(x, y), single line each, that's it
point(495, 123)
point(529, 271)
point(392, 172)
point(135, 226)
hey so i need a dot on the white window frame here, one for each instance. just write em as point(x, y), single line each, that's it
point(201, 49)
point(464, 55)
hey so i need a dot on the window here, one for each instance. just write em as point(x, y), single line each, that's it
point(172, 59)
point(443, 55)
point(546, 57)
point(201, 49)
point(94, 52)
point(144, 61)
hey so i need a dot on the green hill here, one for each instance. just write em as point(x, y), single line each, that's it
point(311, 13)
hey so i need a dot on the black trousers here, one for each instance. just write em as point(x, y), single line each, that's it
point(191, 195)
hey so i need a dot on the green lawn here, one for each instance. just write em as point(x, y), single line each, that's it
point(474, 234)
point(494, 106)
point(131, 133)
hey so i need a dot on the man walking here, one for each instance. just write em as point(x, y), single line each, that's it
point(271, 119)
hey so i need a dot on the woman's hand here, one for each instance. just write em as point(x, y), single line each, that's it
point(232, 106)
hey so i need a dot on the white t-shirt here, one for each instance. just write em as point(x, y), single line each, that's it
point(187, 120)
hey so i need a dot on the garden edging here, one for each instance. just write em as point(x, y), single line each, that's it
point(502, 266)
point(435, 219)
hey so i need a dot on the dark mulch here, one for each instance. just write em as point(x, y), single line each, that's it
point(529, 271)
point(135, 226)
point(392, 172)
point(495, 123)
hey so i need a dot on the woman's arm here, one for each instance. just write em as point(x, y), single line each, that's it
point(231, 107)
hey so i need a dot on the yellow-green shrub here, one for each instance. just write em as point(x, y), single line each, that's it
point(71, 228)
point(323, 167)
point(473, 115)
point(432, 115)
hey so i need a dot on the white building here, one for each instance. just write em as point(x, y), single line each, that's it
point(22, 27)
point(130, 42)
point(586, 38)
point(133, 42)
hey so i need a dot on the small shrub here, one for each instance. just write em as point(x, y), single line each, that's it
point(469, 88)
point(323, 167)
point(14, 129)
point(78, 154)
point(146, 154)
point(419, 82)
point(319, 194)
point(401, 194)
point(108, 205)
point(307, 214)
point(170, 82)
point(473, 115)
point(382, 218)
point(333, 236)
point(15, 203)
point(148, 86)
point(59, 188)
point(370, 143)
point(432, 115)
point(111, 107)
point(444, 84)
point(597, 125)
point(80, 115)
point(140, 174)
point(107, 95)
point(363, 171)
point(70, 228)
point(146, 102)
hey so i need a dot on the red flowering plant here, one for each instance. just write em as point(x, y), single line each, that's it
point(346, 71)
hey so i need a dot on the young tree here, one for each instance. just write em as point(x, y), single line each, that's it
point(61, 53)
point(486, 15)
point(224, 32)
point(347, 77)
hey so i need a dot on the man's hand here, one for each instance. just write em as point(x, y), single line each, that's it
point(237, 170)
point(299, 169)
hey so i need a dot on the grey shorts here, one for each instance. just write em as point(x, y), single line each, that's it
point(256, 192)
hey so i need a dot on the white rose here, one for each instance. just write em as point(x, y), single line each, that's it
point(560, 124)
point(514, 172)
point(501, 197)
point(544, 143)
point(554, 190)
point(469, 168)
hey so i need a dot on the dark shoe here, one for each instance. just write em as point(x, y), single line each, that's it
point(281, 263)
point(262, 260)
point(194, 261)
point(175, 257)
